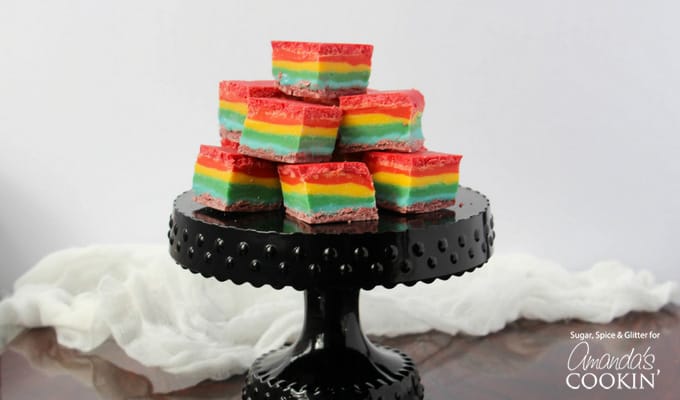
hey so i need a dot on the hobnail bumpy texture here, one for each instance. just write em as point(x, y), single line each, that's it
point(219, 245)
point(403, 385)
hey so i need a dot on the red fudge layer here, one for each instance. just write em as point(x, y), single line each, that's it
point(242, 90)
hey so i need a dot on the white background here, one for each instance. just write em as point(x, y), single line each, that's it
point(567, 113)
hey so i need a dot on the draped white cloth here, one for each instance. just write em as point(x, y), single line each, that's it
point(167, 318)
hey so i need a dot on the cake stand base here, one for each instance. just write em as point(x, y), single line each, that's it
point(333, 359)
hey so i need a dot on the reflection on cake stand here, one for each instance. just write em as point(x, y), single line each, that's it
point(332, 358)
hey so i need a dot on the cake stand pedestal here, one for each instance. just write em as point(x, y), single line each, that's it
point(332, 358)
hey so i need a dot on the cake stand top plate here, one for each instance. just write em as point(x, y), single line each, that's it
point(275, 249)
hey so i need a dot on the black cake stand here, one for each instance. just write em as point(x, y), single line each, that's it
point(332, 358)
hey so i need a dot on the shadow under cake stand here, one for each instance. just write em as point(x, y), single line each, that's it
point(332, 358)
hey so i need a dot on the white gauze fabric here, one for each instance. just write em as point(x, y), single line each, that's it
point(198, 328)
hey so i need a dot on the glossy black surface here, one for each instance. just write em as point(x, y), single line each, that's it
point(272, 248)
point(332, 359)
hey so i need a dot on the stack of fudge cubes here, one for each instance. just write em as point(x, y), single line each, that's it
point(318, 142)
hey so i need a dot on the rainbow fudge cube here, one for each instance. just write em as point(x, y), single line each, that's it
point(389, 120)
point(414, 182)
point(321, 71)
point(228, 181)
point(328, 192)
point(289, 131)
point(233, 109)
